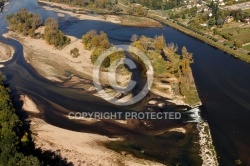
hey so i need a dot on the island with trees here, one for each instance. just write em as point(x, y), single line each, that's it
point(173, 75)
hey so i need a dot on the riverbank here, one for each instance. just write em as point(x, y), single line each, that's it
point(207, 149)
point(80, 148)
point(159, 88)
point(6, 52)
point(81, 14)
point(58, 65)
point(77, 147)
point(243, 56)
point(159, 19)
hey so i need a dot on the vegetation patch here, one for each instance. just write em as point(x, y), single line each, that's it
point(139, 21)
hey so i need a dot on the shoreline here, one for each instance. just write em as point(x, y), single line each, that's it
point(163, 20)
point(42, 57)
point(207, 149)
point(234, 53)
point(178, 100)
point(78, 147)
point(6, 52)
point(120, 19)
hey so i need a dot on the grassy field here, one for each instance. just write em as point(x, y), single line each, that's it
point(247, 47)
point(237, 33)
point(139, 21)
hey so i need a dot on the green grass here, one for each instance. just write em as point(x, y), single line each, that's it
point(192, 97)
point(247, 10)
point(238, 34)
point(247, 47)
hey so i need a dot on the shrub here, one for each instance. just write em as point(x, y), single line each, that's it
point(74, 52)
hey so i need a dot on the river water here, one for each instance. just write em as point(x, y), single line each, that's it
point(222, 82)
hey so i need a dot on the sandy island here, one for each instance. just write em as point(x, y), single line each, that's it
point(57, 65)
point(6, 52)
point(77, 147)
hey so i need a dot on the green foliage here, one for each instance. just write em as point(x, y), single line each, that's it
point(158, 4)
point(167, 63)
point(12, 135)
point(99, 43)
point(137, 10)
point(211, 22)
point(24, 22)
point(238, 44)
point(92, 40)
point(103, 4)
point(53, 35)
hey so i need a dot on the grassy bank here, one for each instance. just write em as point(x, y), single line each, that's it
point(129, 20)
point(235, 53)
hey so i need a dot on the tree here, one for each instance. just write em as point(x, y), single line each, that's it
point(53, 35)
point(219, 21)
point(159, 43)
point(211, 22)
point(24, 22)
point(74, 52)
point(238, 44)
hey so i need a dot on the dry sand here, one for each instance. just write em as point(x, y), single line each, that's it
point(28, 104)
point(77, 147)
point(53, 63)
point(117, 19)
point(80, 148)
point(6, 52)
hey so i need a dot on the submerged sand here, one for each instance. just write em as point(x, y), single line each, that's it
point(77, 147)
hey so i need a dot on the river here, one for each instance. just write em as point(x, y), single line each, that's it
point(222, 82)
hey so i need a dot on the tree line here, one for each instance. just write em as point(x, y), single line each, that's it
point(102, 4)
point(16, 145)
point(164, 58)
point(15, 141)
point(166, 62)
point(26, 23)
point(98, 43)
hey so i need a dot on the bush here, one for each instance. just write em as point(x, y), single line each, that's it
point(74, 52)
point(24, 22)
point(53, 35)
